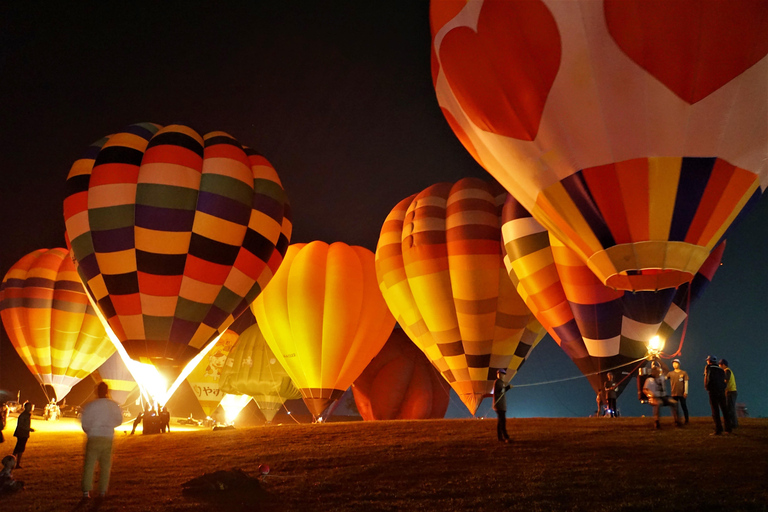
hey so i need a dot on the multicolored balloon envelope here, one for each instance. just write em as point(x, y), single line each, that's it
point(174, 235)
point(400, 384)
point(117, 376)
point(633, 131)
point(252, 369)
point(440, 269)
point(205, 378)
point(50, 322)
point(324, 318)
point(600, 328)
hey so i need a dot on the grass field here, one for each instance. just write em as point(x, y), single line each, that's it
point(588, 464)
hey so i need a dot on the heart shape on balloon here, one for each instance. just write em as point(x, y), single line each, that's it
point(693, 47)
point(501, 75)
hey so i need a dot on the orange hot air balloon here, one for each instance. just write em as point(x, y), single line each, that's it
point(50, 322)
point(324, 318)
point(440, 269)
point(601, 329)
point(635, 132)
point(174, 234)
point(401, 384)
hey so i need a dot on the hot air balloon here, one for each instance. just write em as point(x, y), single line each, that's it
point(633, 131)
point(324, 318)
point(252, 369)
point(400, 383)
point(440, 269)
point(117, 376)
point(205, 378)
point(49, 321)
point(601, 329)
point(174, 234)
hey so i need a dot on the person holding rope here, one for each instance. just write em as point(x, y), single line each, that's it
point(500, 389)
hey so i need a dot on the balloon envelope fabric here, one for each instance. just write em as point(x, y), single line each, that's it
point(401, 384)
point(50, 322)
point(252, 369)
point(120, 381)
point(174, 234)
point(598, 327)
point(633, 131)
point(324, 318)
point(205, 377)
point(440, 269)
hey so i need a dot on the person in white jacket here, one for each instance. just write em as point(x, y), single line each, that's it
point(99, 419)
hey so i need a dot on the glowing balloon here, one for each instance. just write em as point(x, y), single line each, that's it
point(633, 131)
point(598, 327)
point(440, 269)
point(324, 318)
point(400, 383)
point(117, 376)
point(174, 234)
point(252, 369)
point(205, 378)
point(50, 322)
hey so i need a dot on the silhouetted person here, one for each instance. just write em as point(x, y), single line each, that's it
point(678, 381)
point(500, 389)
point(99, 419)
point(137, 421)
point(23, 428)
point(165, 420)
point(730, 393)
point(610, 394)
point(714, 383)
point(3, 417)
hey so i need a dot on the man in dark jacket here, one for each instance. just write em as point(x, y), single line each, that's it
point(500, 389)
point(714, 383)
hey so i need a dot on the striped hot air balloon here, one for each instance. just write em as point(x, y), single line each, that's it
point(633, 131)
point(50, 322)
point(600, 328)
point(252, 369)
point(324, 318)
point(440, 269)
point(117, 376)
point(174, 234)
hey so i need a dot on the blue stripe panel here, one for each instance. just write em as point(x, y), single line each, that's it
point(599, 321)
point(694, 176)
point(648, 307)
point(164, 219)
point(578, 190)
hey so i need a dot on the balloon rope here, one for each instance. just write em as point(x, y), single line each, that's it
point(581, 376)
point(685, 326)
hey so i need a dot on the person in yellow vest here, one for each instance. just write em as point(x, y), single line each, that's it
point(730, 392)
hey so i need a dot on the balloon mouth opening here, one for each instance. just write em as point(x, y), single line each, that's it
point(648, 279)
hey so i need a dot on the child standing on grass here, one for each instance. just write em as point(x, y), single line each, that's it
point(7, 483)
point(23, 428)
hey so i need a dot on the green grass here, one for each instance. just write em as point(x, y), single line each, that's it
point(586, 464)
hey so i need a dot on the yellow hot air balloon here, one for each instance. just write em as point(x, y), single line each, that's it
point(50, 322)
point(324, 318)
point(440, 269)
point(205, 377)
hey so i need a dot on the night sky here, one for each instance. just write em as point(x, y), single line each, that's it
point(338, 96)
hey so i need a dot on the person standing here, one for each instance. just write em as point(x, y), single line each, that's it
point(3, 417)
point(714, 383)
point(23, 428)
point(730, 393)
point(657, 396)
point(678, 380)
point(500, 389)
point(610, 394)
point(99, 419)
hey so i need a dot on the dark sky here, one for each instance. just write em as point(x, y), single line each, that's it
point(338, 96)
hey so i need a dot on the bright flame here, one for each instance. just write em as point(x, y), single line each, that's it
point(149, 380)
point(232, 405)
point(655, 344)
